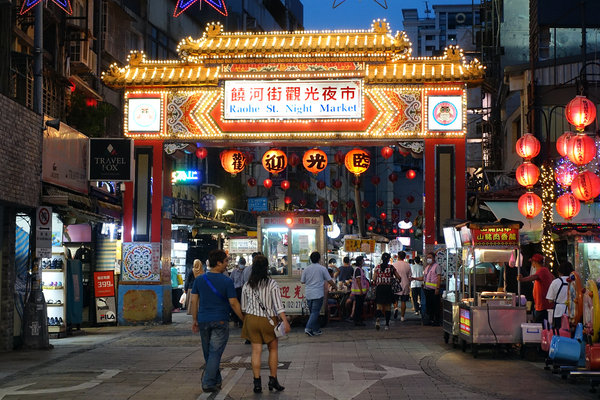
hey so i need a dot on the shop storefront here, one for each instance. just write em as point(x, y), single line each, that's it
point(286, 89)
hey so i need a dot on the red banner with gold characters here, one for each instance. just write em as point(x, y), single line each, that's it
point(495, 235)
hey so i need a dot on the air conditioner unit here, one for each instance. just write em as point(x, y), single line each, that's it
point(83, 59)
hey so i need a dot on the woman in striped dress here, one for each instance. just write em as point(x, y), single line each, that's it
point(261, 302)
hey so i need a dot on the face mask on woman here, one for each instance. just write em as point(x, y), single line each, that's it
point(429, 261)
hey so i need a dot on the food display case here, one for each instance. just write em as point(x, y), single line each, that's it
point(484, 313)
point(287, 239)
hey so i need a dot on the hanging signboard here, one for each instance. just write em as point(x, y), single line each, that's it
point(43, 232)
point(326, 99)
point(495, 235)
point(359, 245)
point(110, 160)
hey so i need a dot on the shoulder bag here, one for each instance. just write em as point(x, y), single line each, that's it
point(214, 289)
point(278, 329)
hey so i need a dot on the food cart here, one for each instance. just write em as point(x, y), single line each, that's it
point(487, 314)
point(287, 239)
point(242, 246)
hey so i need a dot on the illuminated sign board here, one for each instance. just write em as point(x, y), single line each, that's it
point(144, 114)
point(178, 177)
point(465, 322)
point(495, 235)
point(326, 99)
point(445, 113)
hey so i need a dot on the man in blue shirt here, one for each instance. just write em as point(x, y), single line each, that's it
point(214, 294)
point(314, 277)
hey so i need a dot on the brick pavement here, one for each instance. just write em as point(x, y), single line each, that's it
point(163, 362)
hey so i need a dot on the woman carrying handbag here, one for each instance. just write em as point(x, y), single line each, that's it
point(261, 302)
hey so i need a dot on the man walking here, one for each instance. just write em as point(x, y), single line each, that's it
point(314, 277)
point(403, 269)
point(215, 294)
point(237, 276)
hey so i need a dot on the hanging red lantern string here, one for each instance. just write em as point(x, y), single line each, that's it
point(567, 206)
point(334, 204)
point(528, 146)
point(383, 216)
point(304, 186)
point(581, 149)
point(349, 204)
point(396, 201)
point(339, 157)
point(410, 198)
point(393, 177)
point(294, 160)
point(267, 183)
point(364, 204)
point(379, 203)
point(580, 112)
point(375, 180)
point(321, 185)
point(562, 142)
point(527, 174)
point(285, 184)
point(319, 204)
point(287, 200)
point(530, 205)
point(337, 184)
point(411, 174)
point(302, 202)
point(201, 153)
point(251, 182)
point(387, 152)
point(586, 186)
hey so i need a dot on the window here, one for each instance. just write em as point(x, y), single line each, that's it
point(429, 48)
point(429, 37)
point(158, 44)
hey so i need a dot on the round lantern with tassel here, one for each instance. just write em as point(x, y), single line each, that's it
point(274, 161)
point(251, 182)
point(581, 149)
point(387, 152)
point(314, 160)
point(562, 142)
point(233, 161)
point(527, 174)
point(580, 112)
point(285, 184)
point(528, 146)
point(530, 205)
point(586, 186)
point(567, 206)
point(357, 161)
point(267, 183)
point(201, 153)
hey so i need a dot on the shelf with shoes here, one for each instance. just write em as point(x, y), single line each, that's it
point(54, 289)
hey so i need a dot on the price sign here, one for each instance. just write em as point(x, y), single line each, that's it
point(104, 285)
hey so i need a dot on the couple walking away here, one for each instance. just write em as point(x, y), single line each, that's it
point(213, 294)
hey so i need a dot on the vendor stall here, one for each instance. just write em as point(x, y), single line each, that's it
point(486, 313)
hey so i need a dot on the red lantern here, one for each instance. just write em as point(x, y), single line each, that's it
point(287, 200)
point(304, 186)
point(395, 231)
point(565, 173)
point(379, 203)
point(528, 146)
point(396, 200)
point(339, 157)
point(580, 112)
point(370, 228)
point(201, 153)
point(387, 152)
point(357, 161)
point(411, 174)
point(267, 183)
point(375, 180)
point(393, 177)
point(410, 199)
point(314, 160)
point(249, 157)
point(567, 206)
point(586, 186)
point(274, 161)
point(334, 204)
point(233, 161)
point(319, 204)
point(373, 223)
point(302, 202)
point(334, 210)
point(530, 205)
point(527, 174)
point(251, 182)
point(349, 204)
point(383, 216)
point(356, 181)
point(408, 214)
point(337, 184)
point(350, 221)
point(367, 216)
point(562, 142)
point(581, 149)
point(343, 214)
point(364, 204)
point(321, 185)
point(285, 184)
point(294, 160)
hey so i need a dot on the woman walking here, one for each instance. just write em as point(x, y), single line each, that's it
point(384, 295)
point(261, 301)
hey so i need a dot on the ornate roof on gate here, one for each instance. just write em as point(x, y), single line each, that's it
point(379, 56)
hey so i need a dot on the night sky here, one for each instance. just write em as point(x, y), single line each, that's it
point(358, 14)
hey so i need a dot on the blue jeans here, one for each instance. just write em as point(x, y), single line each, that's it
point(314, 307)
point(214, 335)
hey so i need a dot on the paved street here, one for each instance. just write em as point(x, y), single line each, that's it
point(165, 362)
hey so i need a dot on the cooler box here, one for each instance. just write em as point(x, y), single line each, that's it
point(532, 333)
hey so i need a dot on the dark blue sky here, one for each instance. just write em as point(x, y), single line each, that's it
point(358, 14)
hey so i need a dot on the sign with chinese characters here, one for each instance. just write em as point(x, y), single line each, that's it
point(144, 114)
point(185, 177)
point(292, 296)
point(327, 99)
point(296, 221)
point(104, 285)
point(465, 321)
point(445, 113)
point(241, 246)
point(495, 235)
point(359, 245)
point(258, 204)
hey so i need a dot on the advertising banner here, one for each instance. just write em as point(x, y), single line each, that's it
point(106, 310)
point(110, 160)
point(104, 285)
point(64, 158)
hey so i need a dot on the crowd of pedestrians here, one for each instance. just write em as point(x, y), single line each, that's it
point(250, 298)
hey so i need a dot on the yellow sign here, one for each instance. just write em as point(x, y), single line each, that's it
point(359, 245)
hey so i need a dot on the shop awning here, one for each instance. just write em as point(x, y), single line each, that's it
point(531, 231)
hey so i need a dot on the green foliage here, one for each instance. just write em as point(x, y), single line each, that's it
point(89, 120)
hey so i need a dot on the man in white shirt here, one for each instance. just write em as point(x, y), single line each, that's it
point(557, 294)
point(416, 285)
point(314, 277)
point(403, 269)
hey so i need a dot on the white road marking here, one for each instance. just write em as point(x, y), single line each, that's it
point(206, 395)
point(15, 390)
point(230, 384)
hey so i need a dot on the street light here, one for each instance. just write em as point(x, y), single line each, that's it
point(220, 204)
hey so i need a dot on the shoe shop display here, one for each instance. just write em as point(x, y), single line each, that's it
point(53, 275)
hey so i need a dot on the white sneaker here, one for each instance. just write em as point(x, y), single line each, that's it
point(402, 319)
point(386, 328)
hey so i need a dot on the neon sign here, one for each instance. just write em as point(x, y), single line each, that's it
point(185, 177)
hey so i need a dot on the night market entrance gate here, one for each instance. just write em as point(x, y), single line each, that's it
point(342, 88)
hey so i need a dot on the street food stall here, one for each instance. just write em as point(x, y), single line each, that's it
point(287, 239)
point(487, 314)
point(243, 246)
